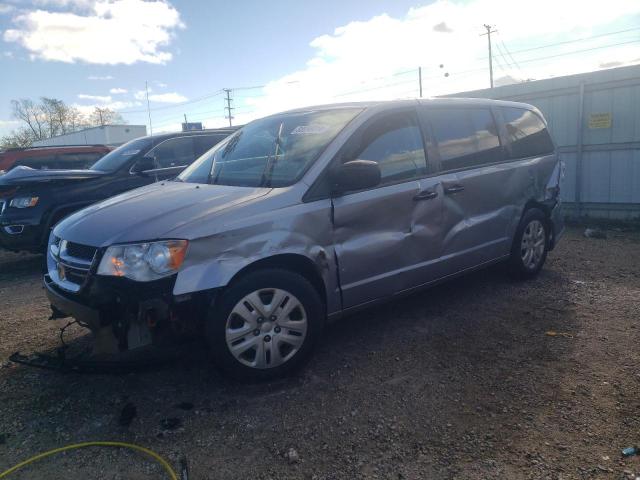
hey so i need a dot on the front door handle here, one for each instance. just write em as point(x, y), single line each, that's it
point(425, 195)
point(453, 189)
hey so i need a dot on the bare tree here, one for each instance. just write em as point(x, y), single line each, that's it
point(104, 116)
point(23, 137)
point(52, 117)
point(31, 114)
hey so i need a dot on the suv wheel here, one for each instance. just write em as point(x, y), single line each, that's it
point(265, 325)
point(530, 245)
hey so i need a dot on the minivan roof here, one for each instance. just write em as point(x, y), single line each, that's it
point(436, 101)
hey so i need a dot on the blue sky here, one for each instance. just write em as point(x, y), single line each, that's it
point(101, 52)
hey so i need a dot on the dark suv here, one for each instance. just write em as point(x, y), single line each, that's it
point(68, 156)
point(33, 201)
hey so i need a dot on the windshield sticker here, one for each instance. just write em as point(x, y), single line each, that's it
point(309, 130)
point(128, 153)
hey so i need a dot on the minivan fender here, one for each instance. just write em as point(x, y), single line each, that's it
point(275, 249)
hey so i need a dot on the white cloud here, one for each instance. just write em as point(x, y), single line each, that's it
point(379, 58)
point(97, 77)
point(141, 94)
point(161, 84)
point(75, 4)
point(94, 98)
point(98, 31)
point(117, 91)
point(111, 105)
point(6, 8)
point(170, 97)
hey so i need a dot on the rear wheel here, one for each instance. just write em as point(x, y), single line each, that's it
point(265, 325)
point(530, 245)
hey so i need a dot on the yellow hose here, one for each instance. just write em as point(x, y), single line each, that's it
point(172, 474)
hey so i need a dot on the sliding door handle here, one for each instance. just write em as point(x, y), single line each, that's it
point(453, 189)
point(426, 195)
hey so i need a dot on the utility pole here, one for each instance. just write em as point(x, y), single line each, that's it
point(185, 118)
point(228, 108)
point(146, 87)
point(488, 34)
point(420, 80)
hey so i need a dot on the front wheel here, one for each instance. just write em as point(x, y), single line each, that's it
point(530, 245)
point(265, 325)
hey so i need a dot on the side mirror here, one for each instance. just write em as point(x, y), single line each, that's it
point(355, 175)
point(145, 163)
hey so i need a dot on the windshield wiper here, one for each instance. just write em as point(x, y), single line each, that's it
point(272, 159)
point(229, 147)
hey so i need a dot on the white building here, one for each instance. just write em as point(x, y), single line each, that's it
point(105, 135)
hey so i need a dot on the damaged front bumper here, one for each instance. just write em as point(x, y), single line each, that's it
point(124, 315)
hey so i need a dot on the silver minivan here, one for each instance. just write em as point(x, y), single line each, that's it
point(304, 216)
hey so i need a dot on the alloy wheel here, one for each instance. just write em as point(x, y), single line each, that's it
point(533, 244)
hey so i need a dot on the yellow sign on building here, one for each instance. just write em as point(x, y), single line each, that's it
point(600, 120)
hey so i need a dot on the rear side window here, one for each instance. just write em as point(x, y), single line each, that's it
point(394, 141)
point(527, 133)
point(205, 142)
point(466, 137)
point(174, 152)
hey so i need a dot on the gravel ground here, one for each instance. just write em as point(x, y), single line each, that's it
point(460, 381)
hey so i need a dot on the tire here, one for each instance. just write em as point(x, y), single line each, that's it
point(530, 245)
point(271, 319)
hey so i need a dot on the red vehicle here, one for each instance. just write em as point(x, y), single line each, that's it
point(44, 158)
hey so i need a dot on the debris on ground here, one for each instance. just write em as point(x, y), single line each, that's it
point(595, 233)
point(292, 456)
point(553, 333)
point(630, 451)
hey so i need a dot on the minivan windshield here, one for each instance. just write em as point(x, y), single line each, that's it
point(271, 152)
point(112, 161)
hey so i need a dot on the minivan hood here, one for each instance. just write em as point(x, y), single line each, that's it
point(28, 176)
point(152, 212)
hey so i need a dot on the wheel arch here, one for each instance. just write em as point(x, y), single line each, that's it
point(546, 209)
point(293, 262)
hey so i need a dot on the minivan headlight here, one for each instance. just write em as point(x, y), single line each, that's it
point(144, 262)
point(24, 202)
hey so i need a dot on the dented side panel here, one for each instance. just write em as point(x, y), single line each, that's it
point(372, 237)
point(303, 229)
point(480, 221)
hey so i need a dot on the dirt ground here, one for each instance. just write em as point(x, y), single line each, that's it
point(460, 381)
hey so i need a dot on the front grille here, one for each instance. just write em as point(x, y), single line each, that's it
point(77, 250)
point(71, 263)
point(75, 275)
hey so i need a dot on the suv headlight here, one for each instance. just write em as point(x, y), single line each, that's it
point(144, 262)
point(23, 202)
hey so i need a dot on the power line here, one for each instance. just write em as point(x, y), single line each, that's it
point(175, 105)
point(579, 51)
point(508, 52)
point(548, 45)
point(374, 88)
point(504, 58)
